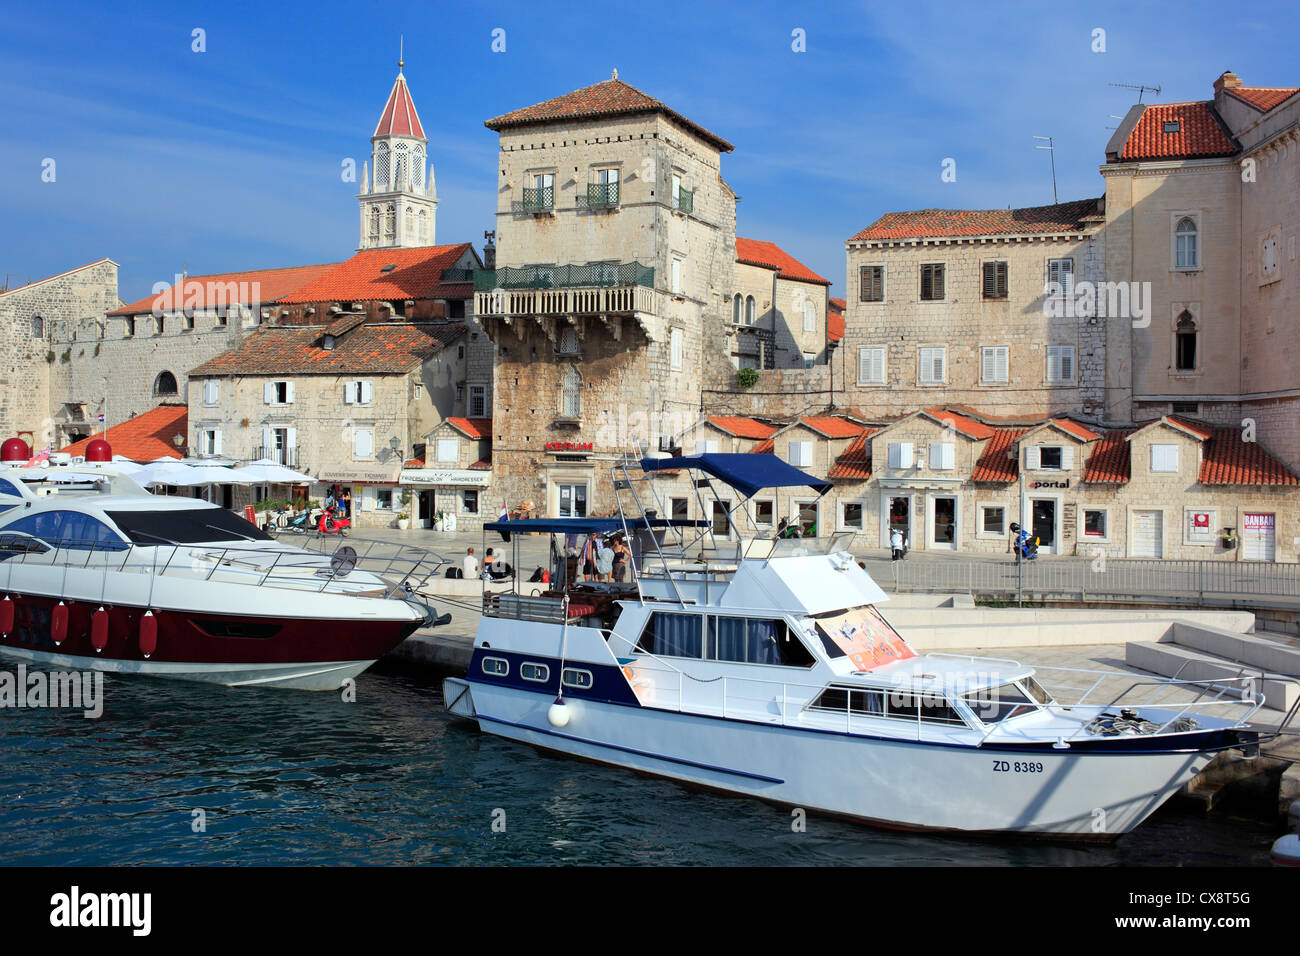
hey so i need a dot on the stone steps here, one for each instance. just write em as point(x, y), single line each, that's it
point(1169, 659)
point(1254, 650)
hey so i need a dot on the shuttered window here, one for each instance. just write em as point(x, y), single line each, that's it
point(942, 455)
point(900, 454)
point(363, 444)
point(1060, 363)
point(872, 284)
point(871, 366)
point(933, 366)
point(801, 453)
point(931, 281)
point(993, 364)
point(1060, 276)
point(995, 280)
point(1164, 458)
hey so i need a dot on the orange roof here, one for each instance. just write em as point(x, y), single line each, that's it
point(764, 447)
point(382, 347)
point(1081, 432)
point(1196, 428)
point(993, 465)
point(252, 288)
point(472, 427)
point(742, 427)
point(853, 464)
point(415, 274)
point(838, 305)
point(771, 256)
point(613, 97)
point(399, 117)
point(967, 426)
point(832, 426)
point(143, 438)
point(1199, 133)
point(1074, 216)
point(1264, 98)
point(1227, 460)
point(1109, 462)
point(835, 326)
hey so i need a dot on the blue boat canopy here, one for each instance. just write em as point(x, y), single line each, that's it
point(585, 525)
point(747, 473)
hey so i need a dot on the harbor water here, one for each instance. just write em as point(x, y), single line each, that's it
point(184, 773)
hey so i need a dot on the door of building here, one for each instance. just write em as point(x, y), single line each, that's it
point(573, 500)
point(1044, 524)
point(943, 535)
point(425, 514)
point(1257, 537)
point(898, 517)
point(1148, 535)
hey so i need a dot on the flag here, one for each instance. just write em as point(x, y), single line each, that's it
point(101, 418)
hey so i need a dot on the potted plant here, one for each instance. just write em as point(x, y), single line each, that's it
point(440, 521)
point(403, 520)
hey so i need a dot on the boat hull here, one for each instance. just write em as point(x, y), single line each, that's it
point(1094, 796)
point(231, 649)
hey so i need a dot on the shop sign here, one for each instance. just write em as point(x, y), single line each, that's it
point(445, 476)
point(568, 446)
point(1061, 483)
point(355, 477)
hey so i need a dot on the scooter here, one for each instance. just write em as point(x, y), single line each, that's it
point(1026, 547)
point(301, 524)
point(331, 522)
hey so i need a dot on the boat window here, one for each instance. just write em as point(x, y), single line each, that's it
point(1036, 690)
point(495, 665)
point(535, 672)
point(868, 703)
point(11, 544)
point(71, 530)
point(755, 641)
point(672, 635)
point(573, 677)
point(884, 703)
point(934, 708)
point(993, 704)
point(188, 526)
point(7, 488)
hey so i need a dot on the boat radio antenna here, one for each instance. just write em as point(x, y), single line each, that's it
point(1140, 87)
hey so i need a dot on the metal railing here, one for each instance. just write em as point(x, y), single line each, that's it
point(601, 301)
point(685, 200)
point(1088, 578)
point(596, 274)
point(602, 194)
point(538, 199)
point(281, 456)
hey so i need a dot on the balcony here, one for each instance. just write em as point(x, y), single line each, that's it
point(601, 274)
point(685, 200)
point(602, 195)
point(281, 456)
point(540, 199)
point(602, 301)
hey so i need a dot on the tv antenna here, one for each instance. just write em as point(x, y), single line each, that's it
point(1140, 87)
point(1050, 147)
point(1114, 117)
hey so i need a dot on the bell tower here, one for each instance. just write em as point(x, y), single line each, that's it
point(398, 199)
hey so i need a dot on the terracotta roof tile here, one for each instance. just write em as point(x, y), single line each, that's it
point(252, 288)
point(771, 256)
point(838, 305)
point(832, 426)
point(1082, 432)
point(853, 464)
point(1197, 428)
point(484, 464)
point(399, 117)
point(611, 98)
point(993, 465)
point(1227, 460)
point(742, 427)
point(967, 426)
point(1064, 217)
point(416, 274)
point(143, 438)
point(764, 447)
point(1264, 98)
point(381, 348)
point(835, 326)
point(1109, 462)
point(1200, 133)
point(477, 428)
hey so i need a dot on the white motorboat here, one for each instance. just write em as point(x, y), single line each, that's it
point(96, 573)
point(764, 667)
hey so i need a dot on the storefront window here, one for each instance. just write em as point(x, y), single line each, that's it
point(469, 501)
point(384, 498)
point(1094, 523)
point(993, 519)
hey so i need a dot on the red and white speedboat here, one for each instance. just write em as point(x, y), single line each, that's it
point(96, 573)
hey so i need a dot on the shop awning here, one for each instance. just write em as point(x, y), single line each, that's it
point(747, 473)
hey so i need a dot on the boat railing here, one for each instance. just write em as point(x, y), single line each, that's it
point(316, 566)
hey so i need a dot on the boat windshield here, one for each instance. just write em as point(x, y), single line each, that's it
point(994, 704)
point(189, 526)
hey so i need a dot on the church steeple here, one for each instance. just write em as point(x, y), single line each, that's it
point(399, 203)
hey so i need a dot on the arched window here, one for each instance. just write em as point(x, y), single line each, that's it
point(417, 169)
point(1185, 343)
point(424, 225)
point(809, 316)
point(749, 310)
point(401, 166)
point(568, 340)
point(373, 231)
point(408, 228)
point(390, 223)
point(164, 384)
point(1186, 254)
point(571, 394)
point(735, 308)
point(159, 325)
point(382, 184)
point(38, 326)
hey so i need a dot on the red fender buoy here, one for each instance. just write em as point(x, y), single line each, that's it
point(148, 633)
point(59, 623)
point(6, 616)
point(99, 629)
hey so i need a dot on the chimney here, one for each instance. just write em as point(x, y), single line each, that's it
point(1228, 81)
point(489, 256)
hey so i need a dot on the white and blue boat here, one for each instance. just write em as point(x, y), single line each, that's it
point(764, 667)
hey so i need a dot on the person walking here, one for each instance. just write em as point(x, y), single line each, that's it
point(896, 543)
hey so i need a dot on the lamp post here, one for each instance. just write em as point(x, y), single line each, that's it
point(1013, 454)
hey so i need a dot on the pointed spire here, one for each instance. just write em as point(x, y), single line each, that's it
point(399, 117)
point(365, 178)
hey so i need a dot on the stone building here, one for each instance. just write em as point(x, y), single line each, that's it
point(1203, 203)
point(612, 294)
point(778, 311)
point(451, 473)
point(48, 328)
point(972, 307)
point(344, 402)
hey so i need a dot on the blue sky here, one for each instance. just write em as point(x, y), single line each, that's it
point(230, 158)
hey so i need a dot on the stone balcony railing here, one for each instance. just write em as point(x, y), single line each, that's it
point(608, 300)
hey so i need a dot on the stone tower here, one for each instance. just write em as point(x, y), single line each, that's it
point(398, 202)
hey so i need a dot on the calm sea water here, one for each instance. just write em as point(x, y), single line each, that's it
point(299, 778)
